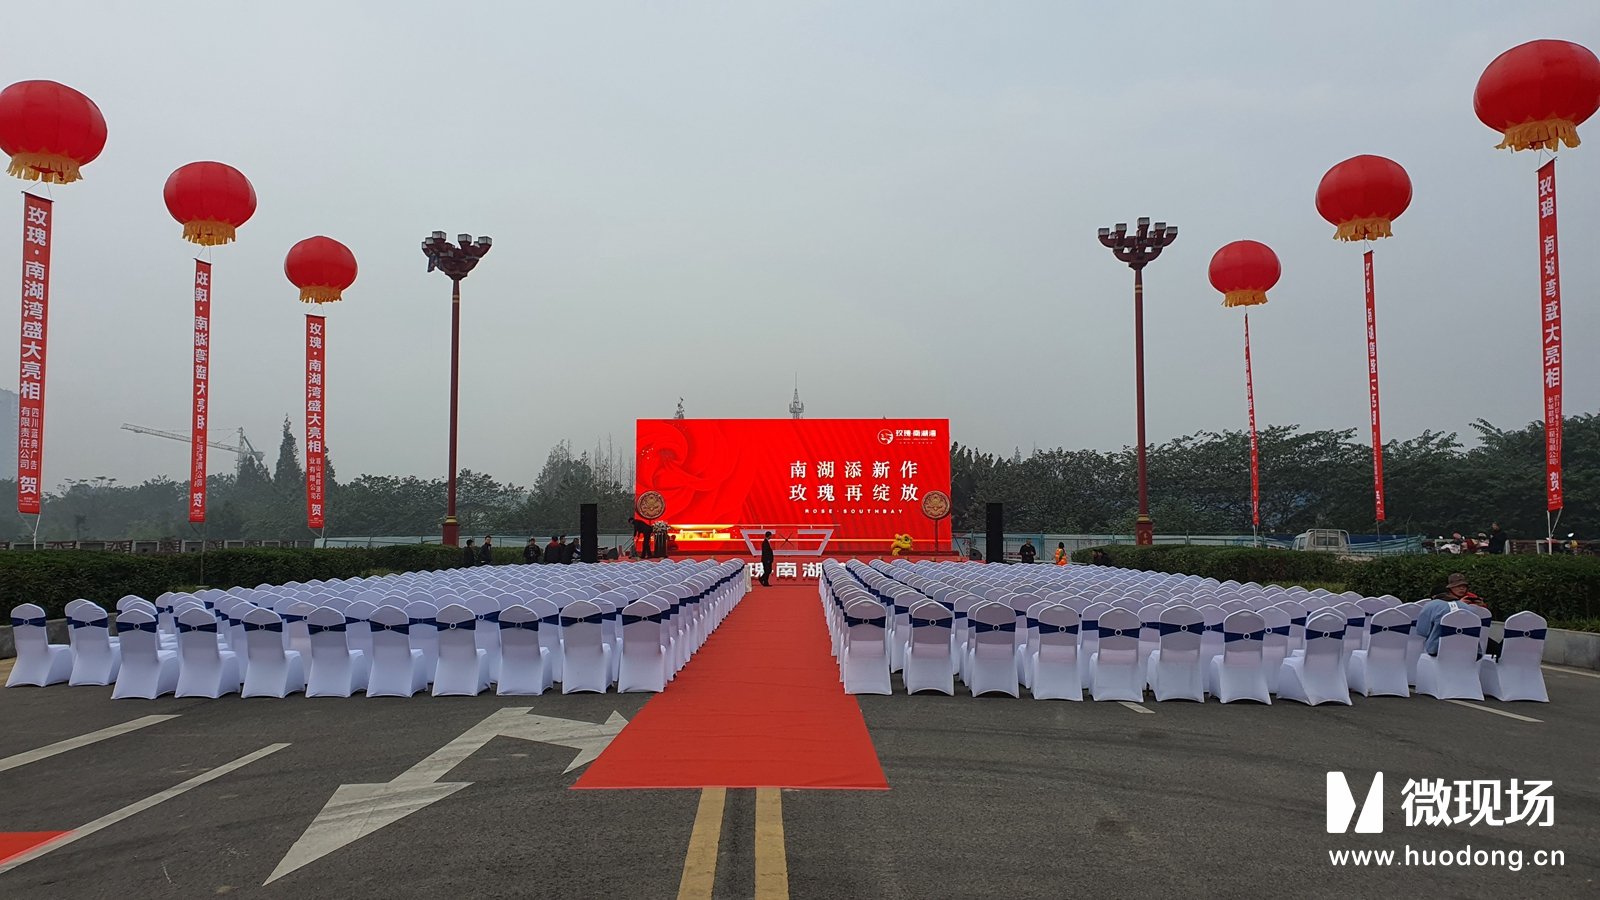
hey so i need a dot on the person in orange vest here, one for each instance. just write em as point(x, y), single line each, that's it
point(1061, 553)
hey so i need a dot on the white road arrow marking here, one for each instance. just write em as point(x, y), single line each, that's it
point(357, 810)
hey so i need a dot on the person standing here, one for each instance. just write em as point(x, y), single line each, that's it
point(552, 552)
point(766, 560)
point(1028, 553)
point(469, 554)
point(1061, 553)
point(486, 551)
point(1497, 539)
point(530, 553)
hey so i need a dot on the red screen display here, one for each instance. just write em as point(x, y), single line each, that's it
point(814, 482)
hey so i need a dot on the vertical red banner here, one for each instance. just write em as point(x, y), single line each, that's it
point(1550, 331)
point(1255, 457)
point(36, 224)
point(1372, 387)
point(201, 395)
point(316, 346)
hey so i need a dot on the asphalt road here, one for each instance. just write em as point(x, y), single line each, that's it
point(995, 797)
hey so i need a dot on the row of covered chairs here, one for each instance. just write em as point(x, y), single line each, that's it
point(1001, 631)
point(629, 624)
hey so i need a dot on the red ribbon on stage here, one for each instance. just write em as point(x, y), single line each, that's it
point(36, 223)
point(201, 395)
point(1372, 387)
point(1255, 459)
point(1550, 330)
point(316, 339)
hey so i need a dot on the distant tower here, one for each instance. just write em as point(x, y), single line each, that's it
point(679, 413)
point(797, 410)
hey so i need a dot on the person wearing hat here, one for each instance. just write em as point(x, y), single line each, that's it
point(1456, 595)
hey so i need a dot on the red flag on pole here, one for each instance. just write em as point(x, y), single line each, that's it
point(1255, 459)
point(201, 395)
point(316, 337)
point(36, 224)
point(1372, 388)
point(1550, 329)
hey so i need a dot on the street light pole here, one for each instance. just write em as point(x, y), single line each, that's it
point(456, 261)
point(1138, 250)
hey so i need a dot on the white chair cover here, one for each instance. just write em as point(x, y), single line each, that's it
point(463, 669)
point(586, 665)
point(1174, 667)
point(398, 668)
point(1275, 648)
point(424, 633)
point(148, 670)
point(1453, 673)
point(1239, 673)
point(39, 662)
point(524, 662)
point(991, 666)
point(1515, 674)
point(927, 651)
point(96, 656)
point(336, 669)
point(204, 670)
point(1380, 668)
point(1055, 661)
point(645, 664)
point(1318, 675)
point(1114, 668)
point(273, 671)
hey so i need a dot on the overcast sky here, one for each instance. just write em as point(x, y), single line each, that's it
point(897, 200)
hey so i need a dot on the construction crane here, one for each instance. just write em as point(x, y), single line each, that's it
point(245, 448)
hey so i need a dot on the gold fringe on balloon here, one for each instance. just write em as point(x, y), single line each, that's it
point(1545, 134)
point(1244, 298)
point(208, 232)
point(320, 293)
point(1369, 229)
point(51, 168)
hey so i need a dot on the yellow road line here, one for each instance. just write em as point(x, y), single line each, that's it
point(700, 863)
point(772, 864)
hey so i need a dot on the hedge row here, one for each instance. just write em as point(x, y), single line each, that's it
point(1239, 564)
point(1560, 588)
point(51, 578)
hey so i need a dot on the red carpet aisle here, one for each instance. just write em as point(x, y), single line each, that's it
point(14, 842)
point(759, 706)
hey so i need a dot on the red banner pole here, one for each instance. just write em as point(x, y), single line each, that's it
point(1372, 388)
point(316, 338)
point(1550, 328)
point(36, 228)
point(1255, 459)
point(200, 396)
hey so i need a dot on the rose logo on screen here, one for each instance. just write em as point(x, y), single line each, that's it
point(886, 436)
point(651, 505)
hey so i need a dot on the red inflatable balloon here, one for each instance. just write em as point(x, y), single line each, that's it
point(211, 200)
point(49, 130)
point(1244, 271)
point(1537, 94)
point(1363, 196)
point(321, 268)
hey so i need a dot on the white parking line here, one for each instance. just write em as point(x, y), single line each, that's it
point(1499, 712)
point(82, 740)
point(110, 819)
point(1136, 707)
point(1567, 670)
